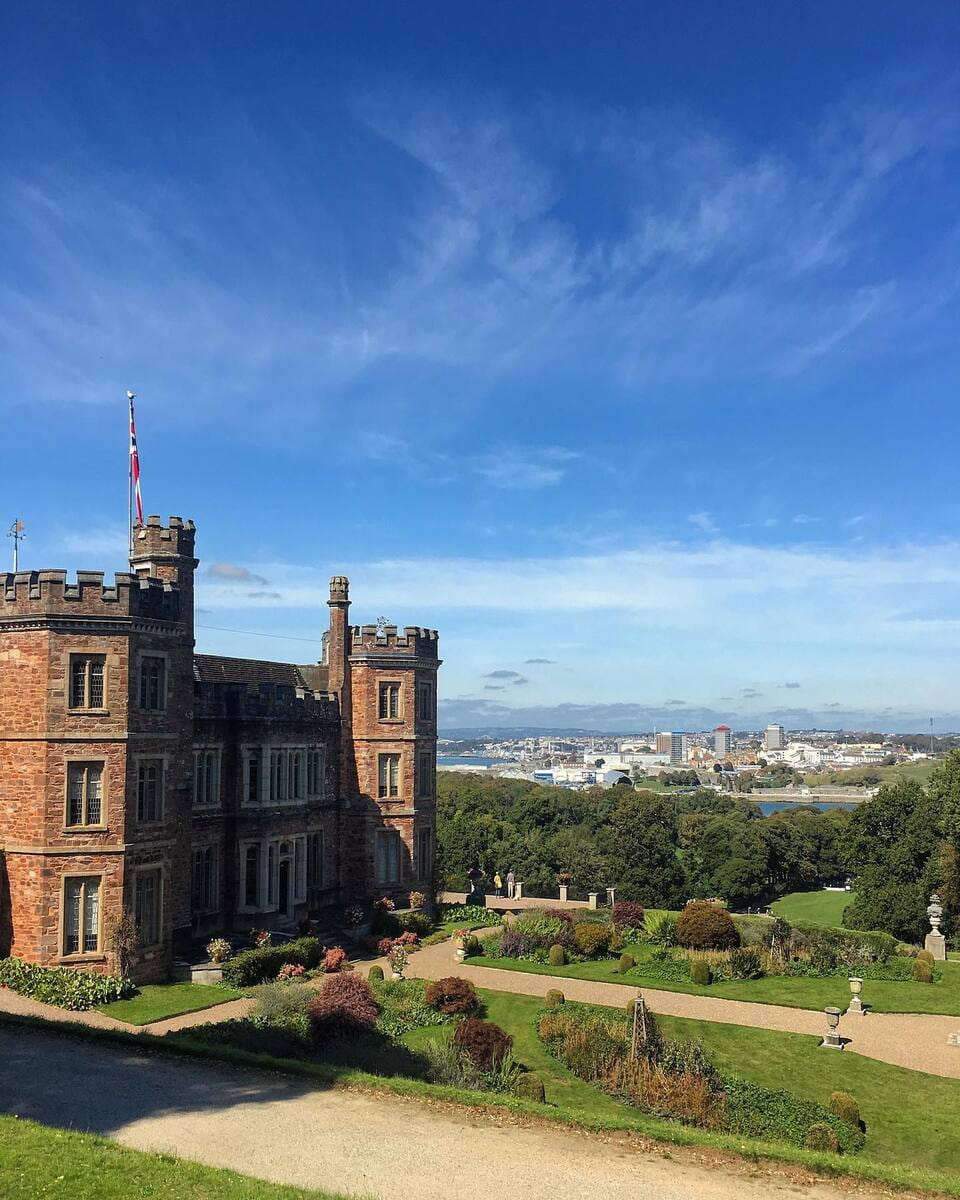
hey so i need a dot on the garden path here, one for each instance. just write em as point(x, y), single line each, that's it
point(288, 1130)
point(917, 1041)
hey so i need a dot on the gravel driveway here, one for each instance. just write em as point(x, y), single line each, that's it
point(351, 1142)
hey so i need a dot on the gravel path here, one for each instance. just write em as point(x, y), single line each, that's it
point(918, 1041)
point(277, 1128)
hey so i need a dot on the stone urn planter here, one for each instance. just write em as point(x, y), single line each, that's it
point(460, 953)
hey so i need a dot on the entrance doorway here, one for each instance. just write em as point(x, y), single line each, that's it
point(285, 882)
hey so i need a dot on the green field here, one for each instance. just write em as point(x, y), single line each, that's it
point(823, 908)
point(880, 995)
point(157, 1001)
point(36, 1161)
point(922, 1129)
point(920, 771)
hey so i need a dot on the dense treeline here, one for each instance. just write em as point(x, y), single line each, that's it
point(663, 850)
point(659, 850)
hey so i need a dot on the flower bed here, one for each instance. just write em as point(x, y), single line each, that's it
point(676, 1080)
point(64, 986)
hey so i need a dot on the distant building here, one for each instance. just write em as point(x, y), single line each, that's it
point(678, 748)
point(722, 741)
point(774, 738)
point(664, 743)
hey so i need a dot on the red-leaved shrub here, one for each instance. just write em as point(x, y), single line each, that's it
point(629, 913)
point(384, 946)
point(452, 996)
point(333, 960)
point(343, 1007)
point(484, 1043)
point(704, 926)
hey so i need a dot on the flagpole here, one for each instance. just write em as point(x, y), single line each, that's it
point(130, 483)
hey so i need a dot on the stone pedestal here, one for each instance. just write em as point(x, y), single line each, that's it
point(518, 890)
point(592, 899)
point(563, 893)
point(832, 1041)
point(936, 943)
point(611, 898)
point(856, 1008)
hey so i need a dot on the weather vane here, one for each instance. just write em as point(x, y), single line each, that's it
point(382, 624)
point(16, 532)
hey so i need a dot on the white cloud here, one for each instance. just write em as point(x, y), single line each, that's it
point(703, 521)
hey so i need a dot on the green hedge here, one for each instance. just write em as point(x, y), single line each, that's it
point(63, 986)
point(469, 914)
point(756, 1111)
point(256, 966)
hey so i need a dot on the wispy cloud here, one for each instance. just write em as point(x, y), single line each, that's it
point(703, 521)
point(228, 572)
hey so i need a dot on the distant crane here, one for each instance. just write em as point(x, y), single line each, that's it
point(16, 532)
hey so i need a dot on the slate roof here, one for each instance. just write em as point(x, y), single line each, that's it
point(252, 672)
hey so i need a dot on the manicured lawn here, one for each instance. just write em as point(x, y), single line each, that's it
point(823, 908)
point(36, 1161)
point(920, 1128)
point(157, 1001)
point(881, 995)
point(910, 1117)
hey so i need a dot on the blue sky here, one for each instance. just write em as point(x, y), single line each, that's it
point(619, 336)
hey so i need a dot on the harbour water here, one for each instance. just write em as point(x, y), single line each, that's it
point(771, 806)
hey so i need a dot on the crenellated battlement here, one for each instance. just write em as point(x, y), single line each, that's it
point(156, 541)
point(51, 593)
point(414, 641)
point(267, 702)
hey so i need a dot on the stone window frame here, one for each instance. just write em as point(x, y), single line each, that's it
point(98, 955)
point(383, 836)
point(316, 850)
point(426, 779)
point(382, 685)
point(243, 848)
point(424, 834)
point(87, 760)
point(145, 869)
point(145, 757)
point(247, 749)
point(215, 886)
point(383, 788)
point(199, 752)
point(318, 772)
point(284, 769)
point(86, 709)
point(141, 654)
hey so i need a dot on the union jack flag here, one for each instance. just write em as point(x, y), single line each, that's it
point(135, 463)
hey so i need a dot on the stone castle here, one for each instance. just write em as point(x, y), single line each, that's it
point(198, 793)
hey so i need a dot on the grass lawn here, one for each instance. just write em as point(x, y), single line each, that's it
point(881, 995)
point(157, 1001)
point(36, 1161)
point(921, 1129)
point(823, 908)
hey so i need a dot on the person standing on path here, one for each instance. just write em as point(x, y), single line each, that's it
point(497, 884)
point(511, 883)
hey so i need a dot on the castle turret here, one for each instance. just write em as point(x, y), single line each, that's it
point(167, 552)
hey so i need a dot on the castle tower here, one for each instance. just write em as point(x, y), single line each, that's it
point(393, 700)
point(95, 734)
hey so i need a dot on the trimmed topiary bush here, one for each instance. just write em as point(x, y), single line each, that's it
point(344, 1007)
point(484, 1044)
point(556, 956)
point(843, 1105)
point(821, 1137)
point(707, 927)
point(925, 956)
point(592, 939)
point(554, 997)
point(626, 963)
point(452, 996)
point(256, 966)
point(629, 913)
point(529, 1086)
point(700, 972)
point(922, 971)
point(376, 973)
